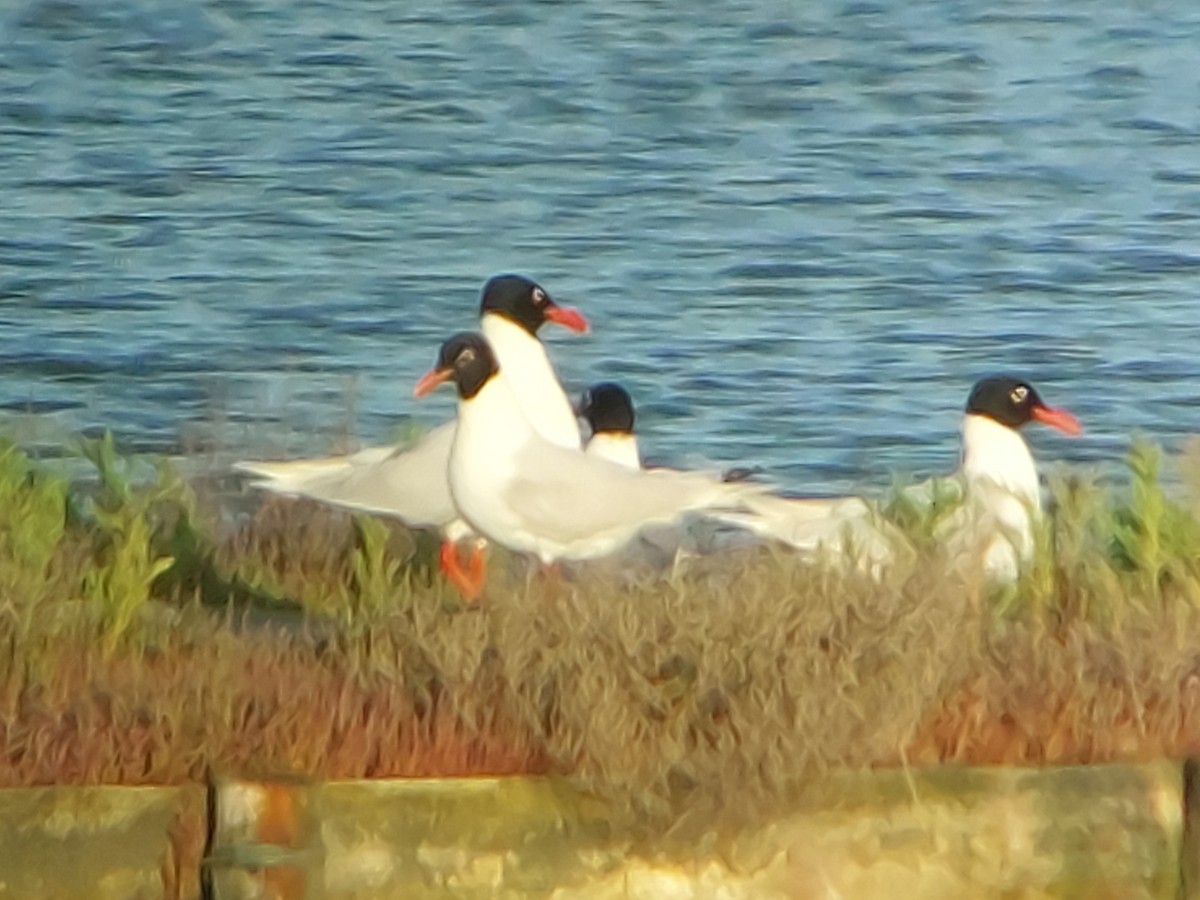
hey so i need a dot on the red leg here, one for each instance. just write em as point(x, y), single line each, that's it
point(469, 583)
point(477, 568)
point(448, 557)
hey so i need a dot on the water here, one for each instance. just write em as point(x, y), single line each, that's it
point(801, 230)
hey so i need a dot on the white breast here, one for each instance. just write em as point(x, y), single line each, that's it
point(999, 454)
point(621, 449)
point(1003, 494)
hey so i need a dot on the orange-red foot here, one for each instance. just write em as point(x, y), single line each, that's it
point(470, 581)
point(477, 567)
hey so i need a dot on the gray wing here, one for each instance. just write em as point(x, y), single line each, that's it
point(568, 496)
point(408, 482)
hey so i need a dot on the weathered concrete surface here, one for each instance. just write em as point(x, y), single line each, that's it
point(123, 843)
point(1079, 832)
point(411, 838)
point(406, 839)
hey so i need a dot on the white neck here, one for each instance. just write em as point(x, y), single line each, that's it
point(527, 368)
point(618, 447)
point(998, 453)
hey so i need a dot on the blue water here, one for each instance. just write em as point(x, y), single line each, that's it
point(801, 230)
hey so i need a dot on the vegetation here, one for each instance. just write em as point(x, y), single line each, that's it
point(150, 635)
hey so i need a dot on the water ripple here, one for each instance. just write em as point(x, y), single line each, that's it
point(800, 230)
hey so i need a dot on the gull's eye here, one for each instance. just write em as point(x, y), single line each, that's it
point(539, 297)
point(1018, 395)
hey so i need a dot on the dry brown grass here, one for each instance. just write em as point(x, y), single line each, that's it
point(202, 697)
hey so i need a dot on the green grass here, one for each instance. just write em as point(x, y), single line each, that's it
point(148, 635)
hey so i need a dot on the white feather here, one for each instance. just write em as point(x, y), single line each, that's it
point(616, 447)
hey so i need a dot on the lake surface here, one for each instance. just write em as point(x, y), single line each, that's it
point(801, 230)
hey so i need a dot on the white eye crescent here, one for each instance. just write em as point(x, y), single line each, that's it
point(539, 297)
point(1019, 393)
point(467, 356)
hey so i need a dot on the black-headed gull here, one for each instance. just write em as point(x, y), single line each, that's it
point(530, 495)
point(995, 491)
point(1001, 491)
point(608, 411)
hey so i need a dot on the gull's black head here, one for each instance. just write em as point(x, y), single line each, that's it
point(467, 360)
point(607, 408)
point(1013, 402)
point(527, 304)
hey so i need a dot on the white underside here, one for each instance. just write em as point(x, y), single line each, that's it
point(1004, 497)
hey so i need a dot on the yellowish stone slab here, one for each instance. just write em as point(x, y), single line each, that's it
point(99, 843)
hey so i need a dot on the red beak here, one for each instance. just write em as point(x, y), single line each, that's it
point(431, 380)
point(1059, 419)
point(567, 318)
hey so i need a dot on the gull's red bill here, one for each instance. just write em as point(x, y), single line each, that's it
point(567, 318)
point(431, 380)
point(1058, 419)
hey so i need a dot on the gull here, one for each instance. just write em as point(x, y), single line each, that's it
point(530, 495)
point(995, 489)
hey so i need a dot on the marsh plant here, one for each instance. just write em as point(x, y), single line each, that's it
point(33, 515)
point(150, 635)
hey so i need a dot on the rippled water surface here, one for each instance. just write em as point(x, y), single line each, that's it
point(801, 230)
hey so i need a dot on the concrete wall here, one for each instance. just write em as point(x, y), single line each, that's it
point(1079, 832)
point(101, 843)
